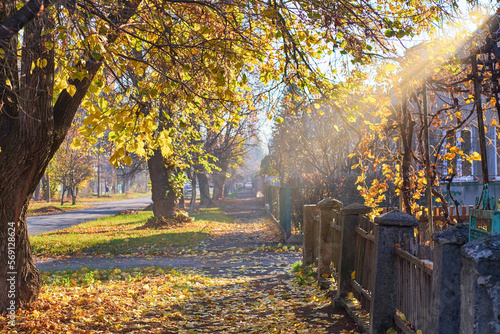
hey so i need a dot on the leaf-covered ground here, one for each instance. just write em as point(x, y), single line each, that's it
point(162, 300)
point(238, 279)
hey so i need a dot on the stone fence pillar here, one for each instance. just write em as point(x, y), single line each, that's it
point(351, 215)
point(445, 294)
point(326, 207)
point(389, 228)
point(311, 235)
point(480, 287)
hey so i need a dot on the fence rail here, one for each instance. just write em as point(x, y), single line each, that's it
point(362, 278)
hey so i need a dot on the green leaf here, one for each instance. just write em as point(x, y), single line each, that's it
point(112, 136)
point(280, 120)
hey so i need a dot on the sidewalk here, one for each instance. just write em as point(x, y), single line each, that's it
point(248, 285)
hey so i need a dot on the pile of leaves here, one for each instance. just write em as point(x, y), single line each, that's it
point(180, 218)
point(46, 210)
point(127, 212)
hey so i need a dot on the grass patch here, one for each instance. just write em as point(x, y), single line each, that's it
point(122, 235)
point(234, 194)
point(112, 197)
point(44, 208)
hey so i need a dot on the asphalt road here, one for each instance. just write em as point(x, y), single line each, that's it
point(40, 224)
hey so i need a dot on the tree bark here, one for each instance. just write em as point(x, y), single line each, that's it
point(205, 199)
point(36, 197)
point(163, 194)
point(32, 128)
point(192, 203)
point(219, 184)
point(62, 195)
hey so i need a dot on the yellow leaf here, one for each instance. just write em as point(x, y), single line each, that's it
point(390, 67)
point(476, 156)
point(325, 275)
point(7, 82)
point(41, 62)
point(71, 89)
point(76, 143)
point(32, 66)
point(73, 282)
point(353, 275)
point(127, 160)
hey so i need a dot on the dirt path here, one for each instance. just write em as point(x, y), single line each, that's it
point(247, 252)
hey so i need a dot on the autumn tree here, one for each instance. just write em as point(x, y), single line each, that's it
point(34, 120)
point(71, 167)
point(40, 96)
point(439, 97)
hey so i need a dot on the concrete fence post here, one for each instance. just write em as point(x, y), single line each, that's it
point(390, 228)
point(326, 207)
point(445, 294)
point(480, 286)
point(350, 215)
point(310, 235)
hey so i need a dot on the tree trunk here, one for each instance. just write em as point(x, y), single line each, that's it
point(62, 194)
point(32, 128)
point(36, 197)
point(163, 194)
point(73, 196)
point(219, 185)
point(192, 203)
point(204, 190)
point(46, 187)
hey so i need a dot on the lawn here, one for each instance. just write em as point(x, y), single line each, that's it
point(44, 208)
point(112, 197)
point(122, 235)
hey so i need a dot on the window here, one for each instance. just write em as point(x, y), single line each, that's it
point(464, 142)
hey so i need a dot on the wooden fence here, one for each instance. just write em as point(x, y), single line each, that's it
point(364, 266)
point(414, 272)
point(377, 260)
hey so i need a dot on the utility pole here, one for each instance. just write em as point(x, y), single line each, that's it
point(480, 121)
point(98, 168)
point(427, 158)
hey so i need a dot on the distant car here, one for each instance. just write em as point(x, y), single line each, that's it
point(248, 185)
